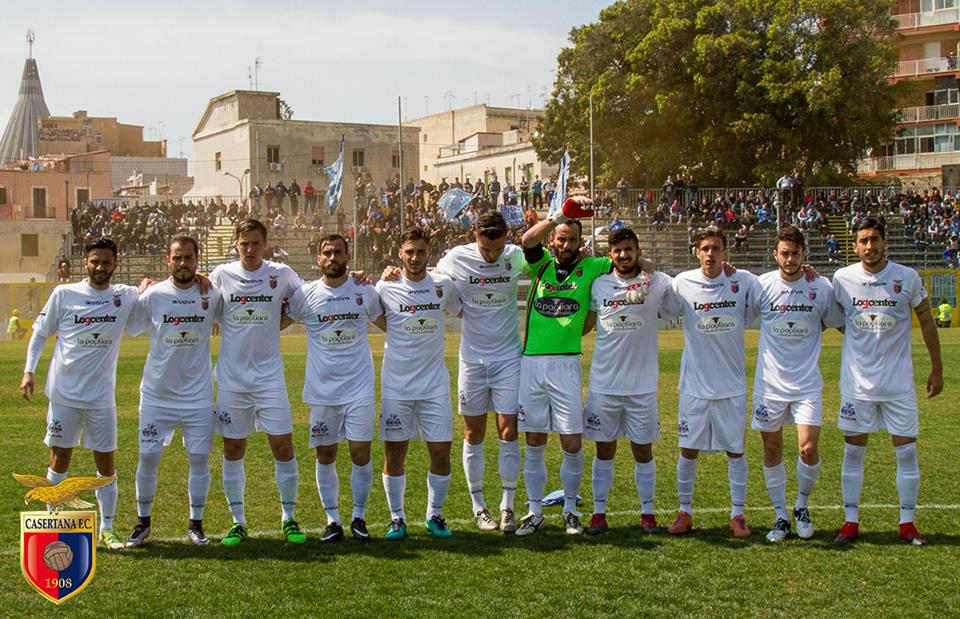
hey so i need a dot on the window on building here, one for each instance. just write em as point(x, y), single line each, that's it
point(3, 195)
point(424, 138)
point(217, 162)
point(30, 245)
point(395, 159)
point(273, 154)
point(424, 168)
point(358, 158)
point(83, 196)
point(40, 202)
point(98, 138)
point(317, 155)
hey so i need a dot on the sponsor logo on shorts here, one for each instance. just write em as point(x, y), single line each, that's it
point(55, 428)
point(392, 423)
point(761, 413)
point(319, 430)
point(683, 428)
point(711, 325)
point(463, 397)
point(521, 416)
point(556, 307)
point(874, 322)
point(224, 417)
point(848, 411)
point(149, 433)
point(593, 421)
point(94, 340)
point(421, 326)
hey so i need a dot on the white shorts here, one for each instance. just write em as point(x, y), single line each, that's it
point(404, 420)
point(712, 425)
point(898, 417)
point(489, 386)
point(66, 424)
point(157, 424)
point(771, 415)
point(351, 421)
point(608, 417)
point(551, 394)
point(241, 414)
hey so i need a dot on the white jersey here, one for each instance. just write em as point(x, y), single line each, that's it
point(792, 316)
point(876, 363)
point(89, 324)
point(625, 354)
point(339, 361)
point(249, 358)
point(488, 291)
point(177, 373)
point(413, 364)
point(715, 314)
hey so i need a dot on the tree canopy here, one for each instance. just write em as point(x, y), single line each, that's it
point(737, 91)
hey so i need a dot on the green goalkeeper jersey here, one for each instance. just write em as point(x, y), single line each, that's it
point(558, 302)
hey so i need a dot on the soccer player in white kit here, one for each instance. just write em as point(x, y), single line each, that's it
point(788, 387)
point(415, 383)
point(713, 386)
point(622, 393)
point(877, 392)
point(338, 386)
point(487, 274)
point(251, 393)
point(89, 318)
point(177, 385)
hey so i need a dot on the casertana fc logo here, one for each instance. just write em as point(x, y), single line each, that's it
point(58, 551)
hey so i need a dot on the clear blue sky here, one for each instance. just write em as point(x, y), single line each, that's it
point(157, 65)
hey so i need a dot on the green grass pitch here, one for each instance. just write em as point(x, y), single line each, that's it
point(622, 573)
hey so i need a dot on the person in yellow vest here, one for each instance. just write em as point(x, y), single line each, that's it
point(943, 317)
point(14, 329)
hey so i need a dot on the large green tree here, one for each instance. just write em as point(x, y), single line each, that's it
point(739, 91)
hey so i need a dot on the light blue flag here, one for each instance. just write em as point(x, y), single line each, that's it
point(335, 174)
point(513, 215)
point(560, 195)
point(453, 202)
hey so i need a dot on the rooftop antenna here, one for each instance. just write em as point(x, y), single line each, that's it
point(256, 72)
point(31, 37)
point(250, 76)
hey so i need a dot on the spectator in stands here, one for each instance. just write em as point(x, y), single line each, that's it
point(833, 249)
point(549, 188)
point(676, 211)
point(63, 269)
point(763, 216)
point(299, 223)
point(270, 195)
point(537, 189)
point(294, 192)
point(309, 198)
point(282, 194)
point(279, 225)
point(524, 189)
point(494, 191)
point(740, 238)
point(530, 217)
point(669, 189)
point(660, 216)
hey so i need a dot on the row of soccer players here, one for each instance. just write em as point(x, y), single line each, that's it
point(533, 385)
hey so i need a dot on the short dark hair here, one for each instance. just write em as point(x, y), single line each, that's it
point(415, 234)
point(623, 234)
point(491, 225)
point(333, 238)
point(574, 222)
point(869, 223)
point(184, 240)
point(701, 234)
point(792, 234)
point(250, 225)
point(101, 243)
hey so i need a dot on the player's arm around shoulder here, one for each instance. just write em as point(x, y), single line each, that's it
point(671, 305)
point(451, 296)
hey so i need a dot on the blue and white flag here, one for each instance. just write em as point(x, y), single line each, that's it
point(453, 202)
point(513, 215)
point(335, 174)
point(561, 192)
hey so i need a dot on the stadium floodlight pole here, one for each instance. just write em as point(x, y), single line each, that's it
point(400, 141)
point(593, 218)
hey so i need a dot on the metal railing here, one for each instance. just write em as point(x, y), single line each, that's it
point(925, 66)
point(949, 111)
point(917, 161)
point(912, 21)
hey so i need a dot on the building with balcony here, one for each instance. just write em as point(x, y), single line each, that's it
point(927, 138)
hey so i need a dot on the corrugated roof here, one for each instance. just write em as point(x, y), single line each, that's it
point(22, 131)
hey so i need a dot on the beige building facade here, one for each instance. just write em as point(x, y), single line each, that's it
point(82, 133)
point(242, 140)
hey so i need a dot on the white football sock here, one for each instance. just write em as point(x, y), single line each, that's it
point(55, 478)
point(508, 460)
point(107, 500)
point(737, 475)
point(535, 477)
point(328, 485)
point(361, 480)
point(908, 480)
point(473, 471)
point(287, 477)
point(851, 480)
point(571, 471)
point(807, 475)
point(437, 486)
point(645, 478)
point(146, 482)
point(393, 487)
point(776, 478)
point(602, 472)
point(686, 477)
point(198, 484)
point(234, 484)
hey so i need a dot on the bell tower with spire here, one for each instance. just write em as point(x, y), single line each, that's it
point(21, 138)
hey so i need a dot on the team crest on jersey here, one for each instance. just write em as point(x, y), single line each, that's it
point(116, 300)
point(273, 281)
point(848, 411)
point(439, 292)
point(812, 295)
point(507, 266)
point(579, 272)
point(734, 286)
point(205, 302)
point(359, 299)
point(897, 286)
